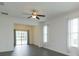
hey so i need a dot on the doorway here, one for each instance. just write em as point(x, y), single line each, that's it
point(21, 37)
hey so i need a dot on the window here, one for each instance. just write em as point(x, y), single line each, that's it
point(73, 32)
point(45, 34)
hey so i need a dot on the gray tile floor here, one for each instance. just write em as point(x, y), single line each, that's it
point(30, 50)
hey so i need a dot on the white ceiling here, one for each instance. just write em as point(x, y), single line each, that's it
point(17, 9)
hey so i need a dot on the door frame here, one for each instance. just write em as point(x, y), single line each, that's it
point(28, 40)
point(14, 37)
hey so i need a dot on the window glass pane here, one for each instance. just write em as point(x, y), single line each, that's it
point(74, 39)
point(74, 25)
point(18, 38)
point(18, 42)
point(24, 38)
point(24, 41)
point(45, 33)
point(73, 32)
point(21, 37)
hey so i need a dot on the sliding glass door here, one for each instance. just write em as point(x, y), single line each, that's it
point(21, 37)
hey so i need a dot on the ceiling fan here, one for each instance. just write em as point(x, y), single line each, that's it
point(35, 15)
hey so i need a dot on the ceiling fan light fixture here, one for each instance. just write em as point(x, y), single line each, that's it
point(33, 16)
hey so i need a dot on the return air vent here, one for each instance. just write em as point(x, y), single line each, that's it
point(1, 3)
point(4, 13)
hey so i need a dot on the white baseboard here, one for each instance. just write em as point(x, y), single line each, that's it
point(57, 51)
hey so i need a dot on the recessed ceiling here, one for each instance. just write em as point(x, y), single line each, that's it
point(17, 9)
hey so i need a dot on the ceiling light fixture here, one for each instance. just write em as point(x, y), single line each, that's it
point(33, 16)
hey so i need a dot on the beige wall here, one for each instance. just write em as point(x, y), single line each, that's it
point(37, 35)
point(25, 28)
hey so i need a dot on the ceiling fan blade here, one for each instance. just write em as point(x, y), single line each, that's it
point(37, 17)
point(41, 15)
point(29, 17)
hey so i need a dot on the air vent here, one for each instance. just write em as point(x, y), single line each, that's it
point(4, 13)
point(1, 3)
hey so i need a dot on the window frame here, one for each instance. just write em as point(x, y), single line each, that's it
point(70, 33)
